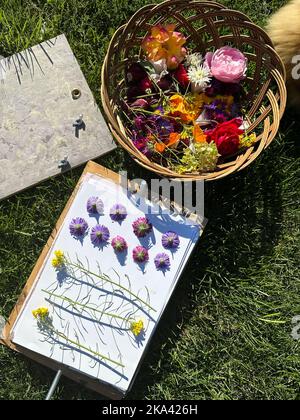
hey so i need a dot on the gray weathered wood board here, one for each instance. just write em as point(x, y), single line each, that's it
point(37, 113)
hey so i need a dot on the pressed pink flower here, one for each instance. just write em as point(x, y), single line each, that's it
point(227, 64)
point(119, 244)
point(140, 254)
point(141, 227)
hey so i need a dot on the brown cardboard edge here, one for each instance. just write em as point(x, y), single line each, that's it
point(91, 383)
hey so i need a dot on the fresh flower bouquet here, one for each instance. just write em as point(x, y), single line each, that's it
point(186, 108)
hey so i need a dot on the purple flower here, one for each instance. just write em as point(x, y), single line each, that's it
point(95, 205)
point(141, 227)
point(78, 227)
point(118, 212)
point(119, 244)
point(162, 261)
point(143, 145)
point(220, 88)
point(158, 125)
point(140, 103)
point(99, 234)
point(140, 254)
point(170, 240)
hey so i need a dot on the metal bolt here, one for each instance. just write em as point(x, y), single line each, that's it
point(76, 93)
point(63, 163)
point(79, 121)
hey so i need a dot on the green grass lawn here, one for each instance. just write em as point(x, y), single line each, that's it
point(226, 333)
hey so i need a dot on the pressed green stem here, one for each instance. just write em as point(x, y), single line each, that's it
point(112, 282)
point(81, 346)
point(74, 303)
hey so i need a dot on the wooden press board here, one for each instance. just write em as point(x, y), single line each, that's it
point(160, 288)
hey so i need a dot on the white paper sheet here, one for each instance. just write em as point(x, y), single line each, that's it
point(104, 334)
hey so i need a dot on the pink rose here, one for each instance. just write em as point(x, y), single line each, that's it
point(227, 64)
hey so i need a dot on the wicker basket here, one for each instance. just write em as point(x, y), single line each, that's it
point(208, 26)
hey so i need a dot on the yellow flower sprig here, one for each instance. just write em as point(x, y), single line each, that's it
point(60, 261)
point(41, 314)
point(137, 327)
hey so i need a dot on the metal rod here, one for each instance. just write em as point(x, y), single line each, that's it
point(54, 385)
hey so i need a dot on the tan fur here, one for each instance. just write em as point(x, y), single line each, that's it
point(284, 30)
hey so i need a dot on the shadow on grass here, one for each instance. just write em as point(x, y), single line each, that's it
point(244, 214)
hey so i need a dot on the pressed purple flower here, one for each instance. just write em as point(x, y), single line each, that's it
point(141, 227)
point(118, 212)
point(99, 234)
point(162, 261)
point(170, 240)
point(94, 205)
point(119, 244)
point(78, 227)
point(140, 254)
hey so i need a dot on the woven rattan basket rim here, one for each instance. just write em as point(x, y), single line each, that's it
point(276, 102)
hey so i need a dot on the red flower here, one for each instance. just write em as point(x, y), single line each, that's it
point(226, 136)
point(145, 84)
point(181, 75)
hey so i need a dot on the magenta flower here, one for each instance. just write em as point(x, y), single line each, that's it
point(99, 234)
point(78, 227)
point(227, 64)
point(170, 240)
point(162, 261)
point(95, 205)
point(118, 212)
point(140, 254)
point(141, 227)
point(119, 244)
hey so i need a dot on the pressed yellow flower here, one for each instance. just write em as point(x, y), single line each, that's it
point(59, 259)
point(137, 327)
point(40, 313)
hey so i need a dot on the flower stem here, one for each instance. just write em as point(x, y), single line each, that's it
point(81, 346)
point(108, 279)
point(74, 303)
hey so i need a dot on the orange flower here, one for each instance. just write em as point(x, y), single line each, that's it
point(164, 43)
point(187, 109)
point(174, 139)
point(199, 135)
